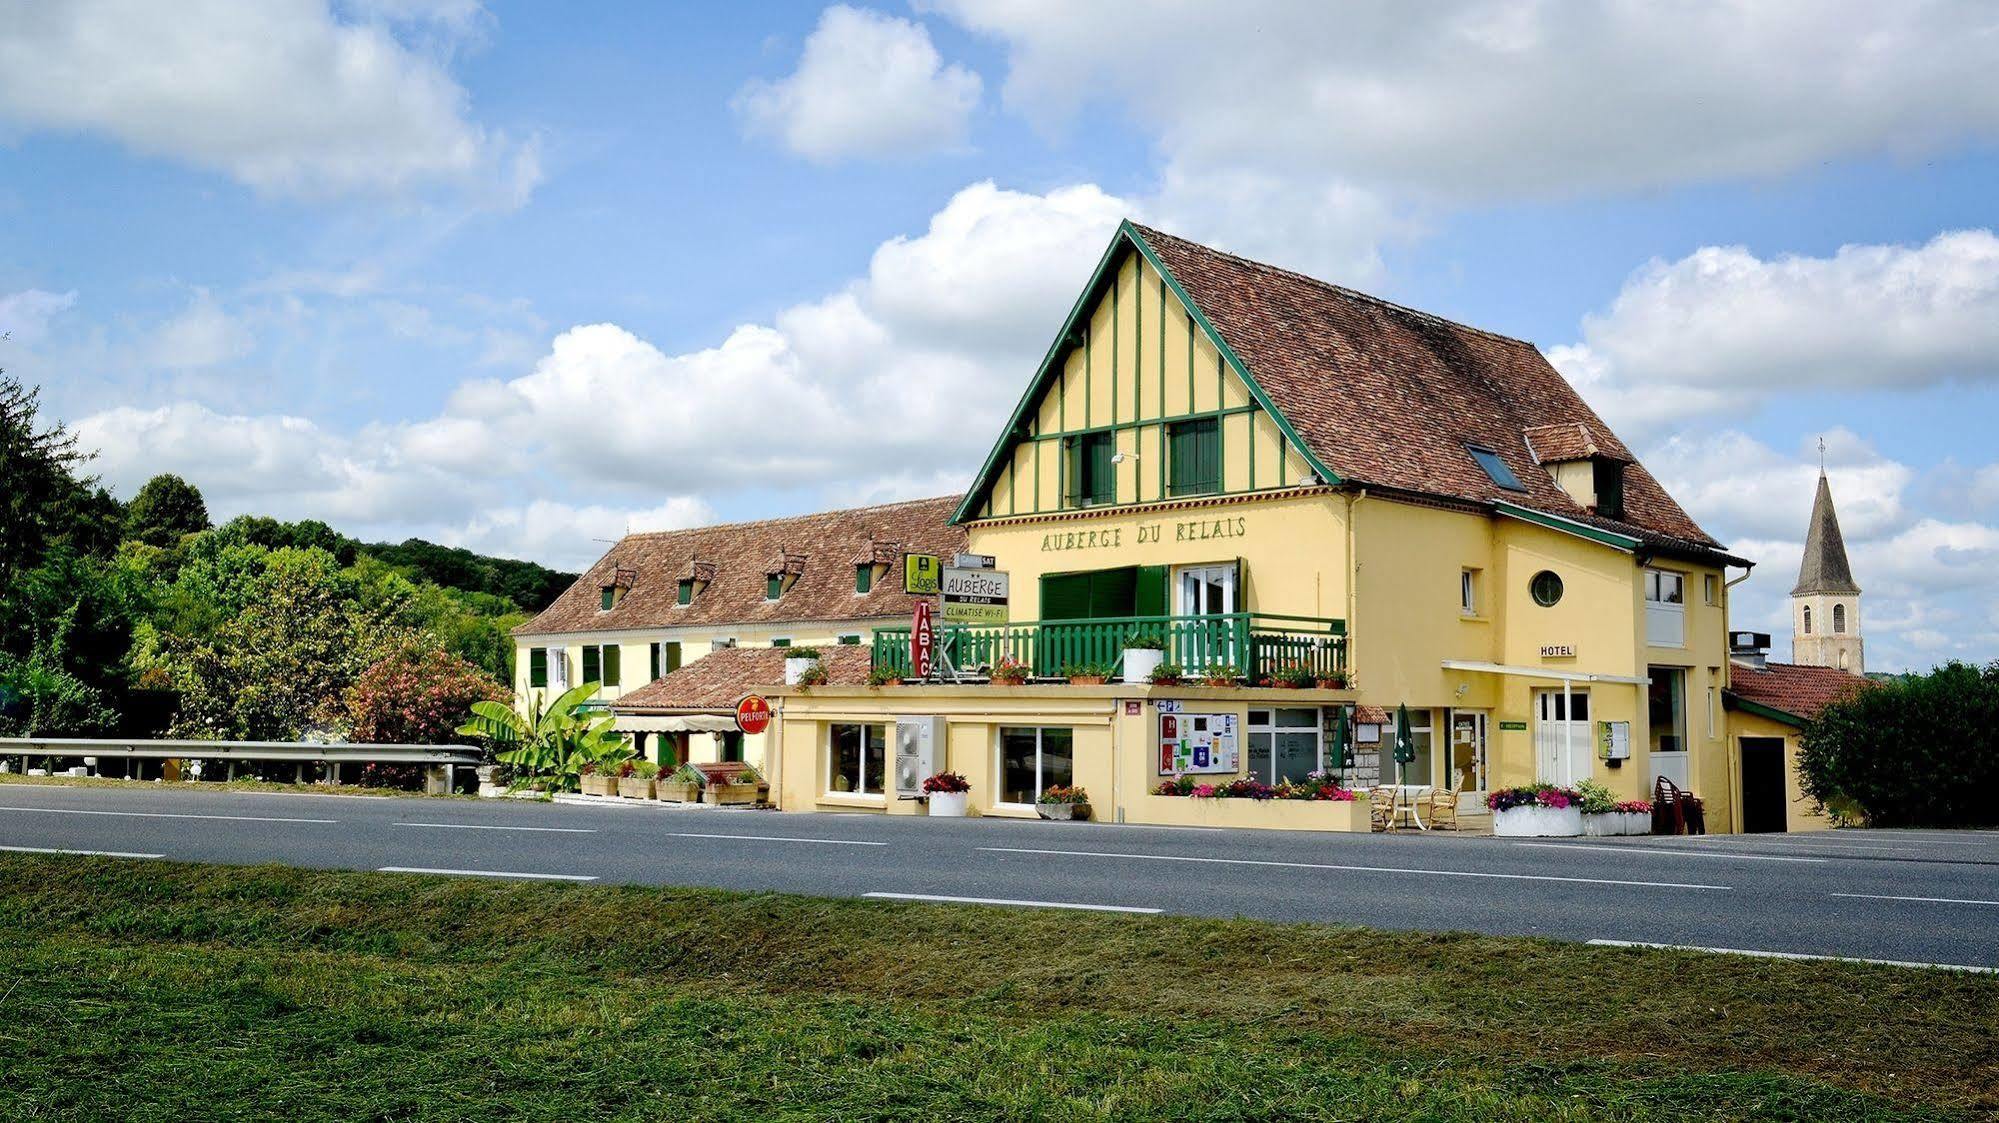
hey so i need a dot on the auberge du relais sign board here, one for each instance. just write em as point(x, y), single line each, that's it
point(1159, 530)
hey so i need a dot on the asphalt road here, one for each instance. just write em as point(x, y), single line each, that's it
point(1928, 897)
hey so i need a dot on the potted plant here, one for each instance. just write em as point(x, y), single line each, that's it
point(1536, 811)
point(1337, 680)
point(683, 786)
point(1060, 802)
point(796, 661)
point(1294, 676)
point(1165, 674)
point(1009, 672)
point(733, 789)
point(1601, 818)
point(1223, 674)
point(636, 778)
point(1086, 674)
point(1637, 816)
point(948, 793)
point(1143, 654)
point(883, 676)
point(815, 674)
point(598, 781)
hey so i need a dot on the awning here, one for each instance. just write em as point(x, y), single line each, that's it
point(675, 723)
point(1542, 672)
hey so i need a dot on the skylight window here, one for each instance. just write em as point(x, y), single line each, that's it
point(1495, 467)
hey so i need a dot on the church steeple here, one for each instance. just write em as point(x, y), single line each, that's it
point(1825, 603)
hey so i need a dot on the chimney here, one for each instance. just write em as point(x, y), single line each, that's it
point(1751, 649)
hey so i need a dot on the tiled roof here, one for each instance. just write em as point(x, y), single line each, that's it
point(1797, 690)
point(719, 679)
point(1390, 396)
point(1570, 440)
point(736, 559)
point(1824, 568)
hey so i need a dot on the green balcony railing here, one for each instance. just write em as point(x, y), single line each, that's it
point(1254, 643)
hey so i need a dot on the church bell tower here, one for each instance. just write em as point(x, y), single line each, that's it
point(1825, 605)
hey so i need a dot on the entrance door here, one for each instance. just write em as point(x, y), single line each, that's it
point(1563, 754)
point(1762, 784)
point(1466, 758)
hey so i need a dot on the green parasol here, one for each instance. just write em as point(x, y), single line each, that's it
point(1405, 744)
point(1342, 747)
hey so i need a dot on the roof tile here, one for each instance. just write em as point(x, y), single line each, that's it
point(720, 679)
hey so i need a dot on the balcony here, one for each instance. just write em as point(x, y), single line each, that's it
point(1254, 643)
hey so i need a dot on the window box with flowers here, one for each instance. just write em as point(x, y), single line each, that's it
point(948, 794)
point(1088, 674)
point(1009, 672)
point(1536, 811)
point(1060, 802)
point(1318, 802)
point(883, 676)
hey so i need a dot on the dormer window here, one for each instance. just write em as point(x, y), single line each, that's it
point(685, 595)
point(607, 598)
point(774, 586)
point(1495, 468)
point(864, 578)
point(1608, 476)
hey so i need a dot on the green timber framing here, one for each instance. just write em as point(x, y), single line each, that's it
point(1022, 429)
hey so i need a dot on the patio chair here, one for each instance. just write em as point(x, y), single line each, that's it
point(1440, 807)
point(1675, 811)
point(1381, 806)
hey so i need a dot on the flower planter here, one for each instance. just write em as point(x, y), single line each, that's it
point(1332, 684)
point(1140, 662)
point(685, 792)
point(635, 787)
point(794, 669)
point(1086, 680)
point(1603, 824)
point(1637, 822)
point(1063, 812)
point(948, 805)
point(1538, 822)
point(595, 784)
point(729, 795)
point(1345, 815)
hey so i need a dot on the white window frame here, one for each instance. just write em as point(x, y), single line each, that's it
point(832, 769)
point(1231, 596)
point(1468, 591)
point(558, 670)
point(1272, 729)
point(1665, 620)
point(999, 761)
point(1711, 589)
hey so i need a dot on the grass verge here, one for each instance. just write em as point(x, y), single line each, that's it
point(169, 991)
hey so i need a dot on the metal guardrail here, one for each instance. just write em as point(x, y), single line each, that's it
point(301, 751)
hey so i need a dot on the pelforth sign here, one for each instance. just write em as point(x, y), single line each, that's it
point(922, 642)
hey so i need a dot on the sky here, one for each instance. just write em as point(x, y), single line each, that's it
point(524, 277)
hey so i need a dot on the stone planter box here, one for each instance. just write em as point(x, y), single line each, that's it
point(1637, 822)
point(1604, 824)
point(595, 784)
point(1349, 816)
point(1538, 822)
point(729, 795)
point(635, 787)
point(948, 805)
point(678, 792)
point(1063, 812)
point(1139, 663)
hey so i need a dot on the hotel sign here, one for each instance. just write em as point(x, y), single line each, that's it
point(974, 596)
point(1558, 651)
point(920, 574)
point(1144, 534)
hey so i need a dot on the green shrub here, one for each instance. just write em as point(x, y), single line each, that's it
point(1916, 751)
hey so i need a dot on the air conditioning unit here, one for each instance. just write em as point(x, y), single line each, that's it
point(919, 742)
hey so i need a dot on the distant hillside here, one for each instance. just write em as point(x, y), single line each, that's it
point(528, 584)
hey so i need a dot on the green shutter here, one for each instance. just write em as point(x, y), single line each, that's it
point(1114, 592)
point(864, 578)
point(1103, 474)
point(653, 652)
point(608, 596)
point(774, 586)
point(1065, 596)
point(1152, 595)
point(537, 666)
point(669, 661)
point(591, 667)
point(1194, 456)
point(612, 657)
point(686, 595)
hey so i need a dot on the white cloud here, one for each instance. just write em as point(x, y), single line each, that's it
point(565, 536)
point(867, 84)
point(281, 95)
point(25, 315)
point(1721, 329)
point(201, 335)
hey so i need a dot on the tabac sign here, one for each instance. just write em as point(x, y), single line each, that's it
point(974, 596)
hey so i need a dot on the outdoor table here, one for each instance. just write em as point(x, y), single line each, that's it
point(1413, 793)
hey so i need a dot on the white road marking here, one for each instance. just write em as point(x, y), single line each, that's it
point(490, 873)
point(1666, 850)
point(1923, 900)
point(1795, 955)
point(492, 827)
point(1006, 901)
point(164, 815)
point(1358, 869)
point(86, 853)
point(773, 838)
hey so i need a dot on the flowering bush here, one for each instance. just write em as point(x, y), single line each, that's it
point(1224, 675)
point(946, 783)
point(1316, 787)
point(416, 695)
point(1633, 806)
point(1533, 795)
point(1057, 793)
point(1596, 798)
point(1009, 672)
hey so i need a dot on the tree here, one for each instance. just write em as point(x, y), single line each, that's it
point(1918, 751)
point(166, 510)
point(550, 744)
point(40, 494)
point(416, 695)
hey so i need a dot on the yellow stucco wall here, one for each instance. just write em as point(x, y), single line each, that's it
point(1801, 812)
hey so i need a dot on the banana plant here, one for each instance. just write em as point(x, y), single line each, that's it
point(552, 743)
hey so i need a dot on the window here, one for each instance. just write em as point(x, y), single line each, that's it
point(558, 668)
point(1667, 698)
point(1713, 708)
point(1546, 587)
point(537, 666)
point(1609, 480)
point(665, 658)
point(1665, 608)
point(1194, 456)
point(851, 639)
point(774, 586)
point(1839, 619)
point(856, 759)
point(600, 664)
point(1033, 760)
point(1092, 476)
point(1468, 592)
point(721, 642)
point(1422, 735)
point(685, 594)
point(864, 578)
point(1465, 755)
point(1710, 588)
point(608, 596)
point(1808, 619)
point(1283, 743)
point(1495, 468)
point(781, 642)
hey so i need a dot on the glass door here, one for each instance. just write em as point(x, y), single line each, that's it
point(1205, 590)
point(1466, 759)
point(1563, 751)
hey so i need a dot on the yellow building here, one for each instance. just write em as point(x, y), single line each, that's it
point(1260, 469)
point(656, 602)
point(1768, 705)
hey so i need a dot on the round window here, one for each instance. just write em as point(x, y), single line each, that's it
point(1546, 587)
